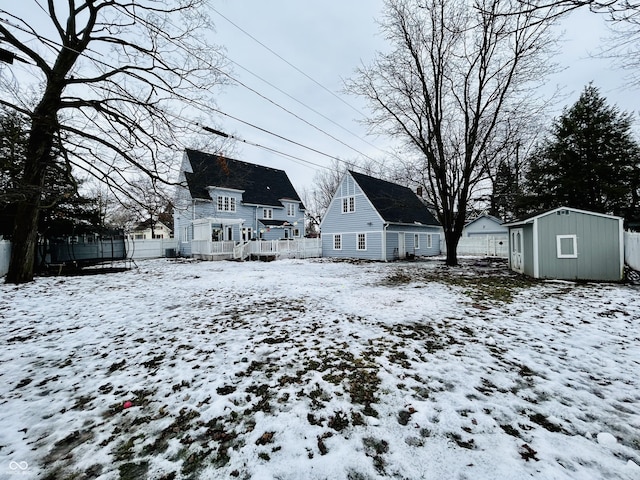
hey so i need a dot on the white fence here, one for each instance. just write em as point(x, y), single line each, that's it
point(5, 255)
point(156, 248)
point(484, 245)
point(632, 250)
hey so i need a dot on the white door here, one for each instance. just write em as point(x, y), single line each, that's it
point(402, 249)
point(516, 250)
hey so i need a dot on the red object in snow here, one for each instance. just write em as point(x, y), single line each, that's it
point(127, 404)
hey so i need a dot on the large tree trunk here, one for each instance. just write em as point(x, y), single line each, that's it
point(451, 239)
point(25, 232)
point(24, 241)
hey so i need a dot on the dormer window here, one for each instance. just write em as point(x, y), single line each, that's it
point(226, 203)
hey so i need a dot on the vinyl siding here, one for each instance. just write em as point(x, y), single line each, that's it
point(350, 246)
point(409, 232)
point(364, 219)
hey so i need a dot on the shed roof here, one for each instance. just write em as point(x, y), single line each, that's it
point(260, 185)
point(394, 203)
point(533, 217)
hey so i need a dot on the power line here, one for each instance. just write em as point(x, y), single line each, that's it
point(209, 129)
point(293, 157)
point(290, 64)
point(310, 78)
point(264, 97)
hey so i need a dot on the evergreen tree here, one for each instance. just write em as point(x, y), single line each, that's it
point(590, 161)
point(64, 210)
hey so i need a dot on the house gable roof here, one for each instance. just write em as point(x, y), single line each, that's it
point(536, 216)
point(260, 185)
point(146, 224)
point(394, 203)
point(487, 216)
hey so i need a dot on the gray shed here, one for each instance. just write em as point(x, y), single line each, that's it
point(568, 244)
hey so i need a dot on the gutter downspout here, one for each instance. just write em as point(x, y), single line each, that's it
point(384, 242)
point(621, 247)
point(256, 231)
point(536, 266)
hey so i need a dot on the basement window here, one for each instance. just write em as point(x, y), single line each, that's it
point(567, 246)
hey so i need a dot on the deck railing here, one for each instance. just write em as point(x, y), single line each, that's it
point(295, 248)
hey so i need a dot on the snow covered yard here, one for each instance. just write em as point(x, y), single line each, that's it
point(318, 370)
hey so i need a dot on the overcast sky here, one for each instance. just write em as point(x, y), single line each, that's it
point(327, 41)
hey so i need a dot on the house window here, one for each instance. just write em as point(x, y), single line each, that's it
point(291, 209)
point(416, 242)
point(185, 234)
point(337, 242)
point(296, 232)
point(158, 236)
point(286, 233)
point(267, 213)
point(362, 241)
point(348, 204)
point(226, 204)
point(567, 246)
point(429, 240)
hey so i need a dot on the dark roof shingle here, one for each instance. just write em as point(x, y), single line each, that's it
point(261, 185)
point(395, 203)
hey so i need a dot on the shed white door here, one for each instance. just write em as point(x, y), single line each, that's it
point(402, 249)
point(516, 250)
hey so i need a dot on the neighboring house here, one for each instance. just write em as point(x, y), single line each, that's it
point(568, 244)
point(143, 231)
point(374, 219)
point(484, 225)
point(225, 200)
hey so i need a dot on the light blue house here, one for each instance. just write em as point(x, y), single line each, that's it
point(222, 202)
point(373, 219)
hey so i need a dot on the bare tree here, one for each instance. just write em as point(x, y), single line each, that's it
point(623, 17)
point(111, 72)
point(454, 74)
point(148, 202)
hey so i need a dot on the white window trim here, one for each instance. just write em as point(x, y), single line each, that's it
point(185, 234)
point(559, 239)
point(291, 209)
point(429, 240)
point(364, 235)
point(416, 241)
point(349, 204)
point(267, 213)
point(226, 203)
point(337, 236)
